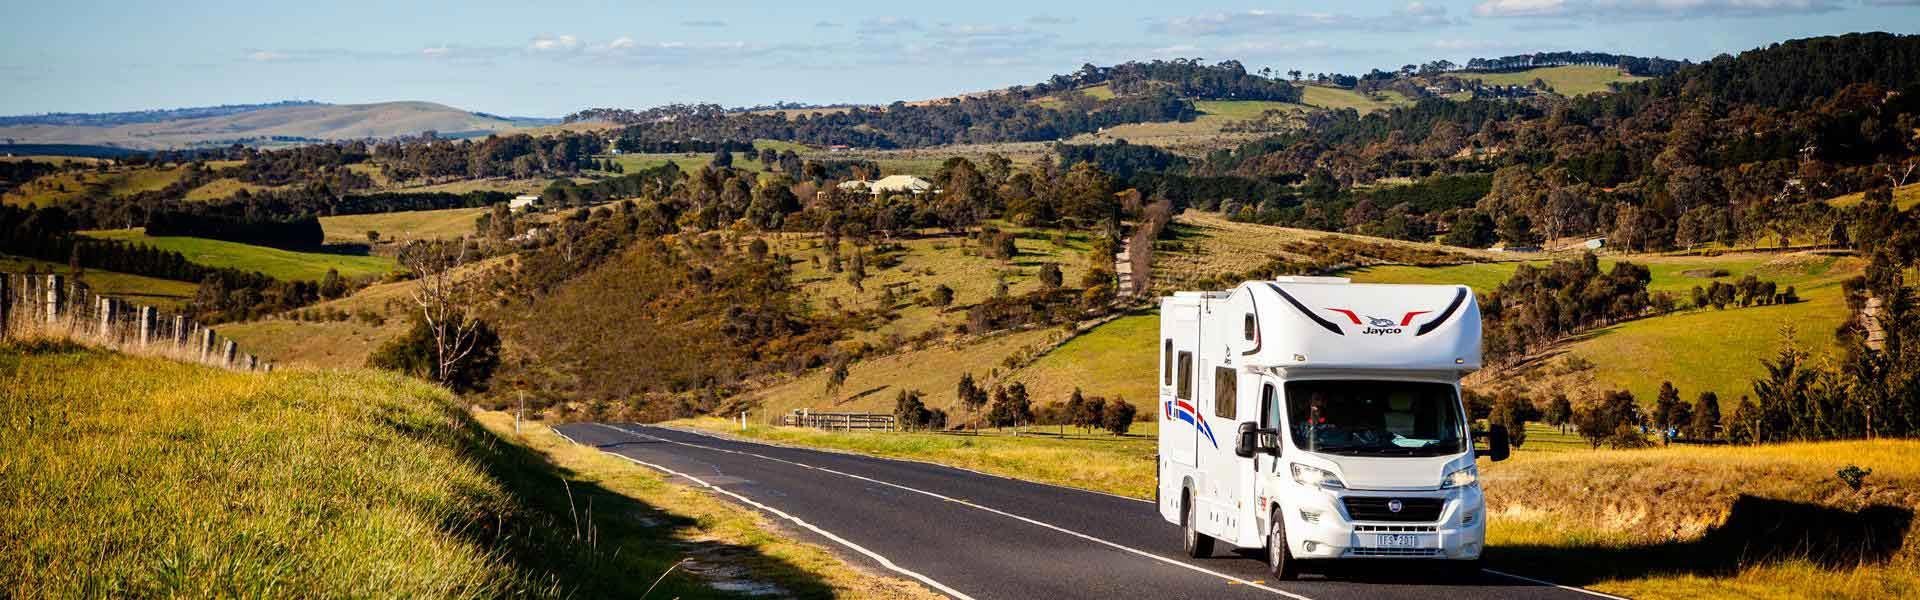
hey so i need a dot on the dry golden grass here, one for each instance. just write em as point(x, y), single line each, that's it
point(1213, 245)
point(871, 384)
point(402, 226)
point(774, 558)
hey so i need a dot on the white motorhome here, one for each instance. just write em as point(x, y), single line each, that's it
point(1321, 419)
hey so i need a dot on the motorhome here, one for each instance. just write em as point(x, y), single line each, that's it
point(1321, 419)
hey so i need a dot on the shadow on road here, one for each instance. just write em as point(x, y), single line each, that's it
point(1757, 531)
point(574, 538)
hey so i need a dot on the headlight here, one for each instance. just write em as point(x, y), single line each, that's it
point(1313, 476)
point(1460, 478)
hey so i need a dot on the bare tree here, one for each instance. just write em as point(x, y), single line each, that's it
point(442, 295)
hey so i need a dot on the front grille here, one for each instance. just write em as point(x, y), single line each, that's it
point(1393, 552)
point(1377, 508)
point(1395, 528)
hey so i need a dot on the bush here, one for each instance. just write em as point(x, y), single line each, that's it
point(414, 355)
point(1118, 417)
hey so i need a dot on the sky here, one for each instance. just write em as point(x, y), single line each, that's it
point(553, 58)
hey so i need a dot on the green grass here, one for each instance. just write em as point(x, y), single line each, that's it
point(274, 262)
point(137, 477)
point(1482, 277)
point(1338, 98)
point(872, 383)
point(1107, 361)
point(1567, 81)
point(62, 187)
point(163, 294)
point(1904, 197)
point(403, 226)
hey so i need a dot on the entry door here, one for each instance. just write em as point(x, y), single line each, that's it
point(1179, 407)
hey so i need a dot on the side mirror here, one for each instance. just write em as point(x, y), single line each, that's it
point(1497, 448)
point(1247, 440)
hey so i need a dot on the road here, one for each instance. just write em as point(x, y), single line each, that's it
point(972, 535)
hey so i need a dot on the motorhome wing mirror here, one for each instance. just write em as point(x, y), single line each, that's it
point(1247, 441)
point(1497, 441)
point(1270, 441)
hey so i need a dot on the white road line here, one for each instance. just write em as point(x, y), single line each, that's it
point(996, 511)
point(1564, 587)
point(726, 438)
point(884, 561)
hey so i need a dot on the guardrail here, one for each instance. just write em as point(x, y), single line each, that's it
point(843, 421)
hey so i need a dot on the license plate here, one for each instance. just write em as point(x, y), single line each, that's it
point(1397, 540)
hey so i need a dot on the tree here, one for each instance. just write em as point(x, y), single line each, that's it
point(970, 395)
point(1011, 407)
point(1513, 412)
point(443, 294)
point(417, 353)
point(373, 237)
point(909, 411)
point(1782, 393)
point(1706, 417)
point(331, 286)
point(837, 377)
point(1615, 420)
point(722, 158)
point(1118, 416)
point(1665, 406)
point(1559, 412)
point(941, 296)
point(1050, 277)
point(1472, 229)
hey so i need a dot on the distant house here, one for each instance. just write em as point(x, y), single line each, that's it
point(1596, 243)
point(891, 184)
point(521, 202)
point(839, 148)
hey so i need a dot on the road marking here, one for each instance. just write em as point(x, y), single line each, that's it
point(884, 561)
point(1564, 587)
point(996, 511)
point(898, 459)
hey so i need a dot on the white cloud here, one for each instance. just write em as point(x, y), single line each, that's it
point(888, 25)
point(620, 43)
point(1412, 16)
point(1644, 9)
point(435, 51)
point(550, 43)
point(266, 56)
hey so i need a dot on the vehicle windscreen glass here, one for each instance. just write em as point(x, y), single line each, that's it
point(1374, 418)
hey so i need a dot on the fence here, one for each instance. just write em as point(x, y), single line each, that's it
point(51, 306)
point(841, 421)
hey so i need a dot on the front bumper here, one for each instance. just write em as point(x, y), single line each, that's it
point(1319, 526)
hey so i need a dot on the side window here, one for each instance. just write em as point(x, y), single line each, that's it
point(1225, 392)
point(1166, 370)
point(1248, 327)
point(1269, 407)
point(1185, 388)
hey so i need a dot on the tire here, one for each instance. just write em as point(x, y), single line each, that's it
point(1197, 544)
point(1280, 561)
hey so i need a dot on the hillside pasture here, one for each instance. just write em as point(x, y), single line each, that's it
point(1206, 244)
point(276, 263)
point(1332, 98)
point(1904, 197)
point(56, 188)
point(872, 383)
point(1114, 360)
point(224, 187)
point(1572, 80)
point(402, 226)
point(163, 294)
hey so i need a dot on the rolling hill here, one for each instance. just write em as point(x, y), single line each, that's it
point(275, 124)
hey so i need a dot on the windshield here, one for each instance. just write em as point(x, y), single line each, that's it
point(1374, 418)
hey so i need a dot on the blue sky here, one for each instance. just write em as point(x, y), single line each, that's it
point(556, 57)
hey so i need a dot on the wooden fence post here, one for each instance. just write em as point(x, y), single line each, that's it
point(55, 293)
point(180, 331)
point(228, 353)
point(206, 345)
point(105, 312)
point(147, 318)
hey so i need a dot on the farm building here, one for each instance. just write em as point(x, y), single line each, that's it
point(891, 184)
point(521, 202)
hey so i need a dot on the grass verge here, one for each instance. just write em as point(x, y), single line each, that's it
point(127, 476)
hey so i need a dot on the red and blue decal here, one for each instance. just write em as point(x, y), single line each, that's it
point(1180, 409)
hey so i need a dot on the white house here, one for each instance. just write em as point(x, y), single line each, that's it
point(891, 184)
point(521, 202)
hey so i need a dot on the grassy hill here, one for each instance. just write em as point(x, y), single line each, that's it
point(1572, 80)
point(164, 294)
point(313, 121)
point(1904, 197)
point(1333, 98)
point(128, 476)
point(402, 226)
point(276, 263)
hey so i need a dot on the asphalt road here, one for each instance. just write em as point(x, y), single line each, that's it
point(972, 535)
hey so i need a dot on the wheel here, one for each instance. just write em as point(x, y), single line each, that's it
point(1198, 544)
point(1280, 561)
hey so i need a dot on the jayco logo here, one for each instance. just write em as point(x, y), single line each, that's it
point(1377, 326)
point(1380, 326)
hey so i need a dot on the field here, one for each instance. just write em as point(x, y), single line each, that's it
point(276, 263)
point(1716, 350)
point(1904, 197)
point(1210, 245)
point(1337, 99)
point(1107, 361)
point(163, 294)
point(926, 262)
point(128, 476)
point(1567, 81)
point(871, 384)
point(61, 187)
point(221, 188)
point(1681, 522)
point(402, 226)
